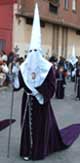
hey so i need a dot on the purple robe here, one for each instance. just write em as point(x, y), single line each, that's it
point(5, 123)
point(47, 138)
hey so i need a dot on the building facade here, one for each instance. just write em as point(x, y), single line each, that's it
point(60, 26)
point(6, 24)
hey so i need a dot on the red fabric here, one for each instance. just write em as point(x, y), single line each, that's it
point(6, 23)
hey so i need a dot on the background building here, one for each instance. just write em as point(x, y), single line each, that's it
point(6, 24)
point(60, 25)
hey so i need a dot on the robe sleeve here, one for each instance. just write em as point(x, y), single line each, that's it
point(21, 84)
point(47, 89)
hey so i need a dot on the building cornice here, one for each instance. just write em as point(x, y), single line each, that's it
point(56, 21)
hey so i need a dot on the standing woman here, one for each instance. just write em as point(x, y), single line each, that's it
point(60, 83)
point(40, 134)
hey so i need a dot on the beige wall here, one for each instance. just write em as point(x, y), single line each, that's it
point(47, 37)
point(22, 35)
point(19, 33)
point(52, 38)
point(60, 42)
point(73, 39)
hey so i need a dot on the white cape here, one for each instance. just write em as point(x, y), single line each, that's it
point(35, 63)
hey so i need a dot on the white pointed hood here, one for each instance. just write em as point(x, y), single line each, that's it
point(36, 31)
point(34, 62)
point(73, 58)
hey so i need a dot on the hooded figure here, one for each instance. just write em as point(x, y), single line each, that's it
point(72, 62)
point(40, 134)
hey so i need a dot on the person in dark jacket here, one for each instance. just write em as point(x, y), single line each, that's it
point(60, 83)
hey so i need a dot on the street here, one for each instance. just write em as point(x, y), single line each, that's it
point(67, 111)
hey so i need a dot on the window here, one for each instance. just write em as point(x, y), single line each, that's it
point(66, 4)
point(74, 5)
point(29, 21)
point(2, 44)
point(54, 1)
point(53, 9)
point(78, 32)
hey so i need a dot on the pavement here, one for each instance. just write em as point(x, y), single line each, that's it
point(67, 111)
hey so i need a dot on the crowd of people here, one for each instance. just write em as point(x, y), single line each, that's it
point(63, 70)
point(66, 71)
point(7, 61)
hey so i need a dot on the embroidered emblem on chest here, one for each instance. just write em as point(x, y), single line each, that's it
point(33, 75)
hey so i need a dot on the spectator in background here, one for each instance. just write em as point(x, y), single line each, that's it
point(61, 62)
point(53, 60)
point(60, 83)
point(21, 60)
point(4, 56)
point(10, 57)
point(4, 80)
